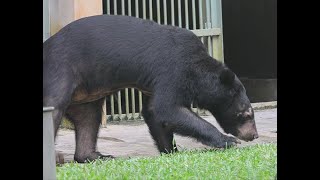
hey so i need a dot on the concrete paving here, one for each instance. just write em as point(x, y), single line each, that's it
point(129, 140)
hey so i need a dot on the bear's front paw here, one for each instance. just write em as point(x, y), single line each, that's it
point(91, 157)
point(228, 141)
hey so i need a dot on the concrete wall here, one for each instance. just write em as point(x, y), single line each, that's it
point(62, 12)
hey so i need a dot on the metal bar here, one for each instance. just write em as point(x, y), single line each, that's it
point(133, 103)
point(208, 23)
point(209, 46)
point(129, 7)
point(213, 10)
point(144, 9)
point(137, 8)
point(158, 12)
point(218, 23)
point(112, 106)
point(186, 13)
point(119, 105)
point(140, 103)
point(122, 7)
point(115, 7)
point(200, 15)
point(165, 11)
point(104, 113)
point(49, 160)
point(179, 13)
point(127, 102)
point(172, 13)
point(219, 13)
point(108, 7)
point(207, 32)
point(46, 20)
point(220, 55)
point(215, 14)
point(194, 22)
point(150, 10)
point(215, 47)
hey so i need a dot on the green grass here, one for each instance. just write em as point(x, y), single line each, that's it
point(253, 162)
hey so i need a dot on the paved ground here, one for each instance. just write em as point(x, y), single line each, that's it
point(134, 140)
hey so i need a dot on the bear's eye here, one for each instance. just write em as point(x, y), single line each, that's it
point(232, 92)
point(240, 117)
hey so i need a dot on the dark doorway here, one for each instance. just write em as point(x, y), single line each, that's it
point(250, 45)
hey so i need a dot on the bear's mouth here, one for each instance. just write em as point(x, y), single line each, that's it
point(247, 131)
point(248, 136)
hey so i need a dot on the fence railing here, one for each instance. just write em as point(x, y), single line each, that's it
point(202, 17)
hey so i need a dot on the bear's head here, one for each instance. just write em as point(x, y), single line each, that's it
point(225, 97)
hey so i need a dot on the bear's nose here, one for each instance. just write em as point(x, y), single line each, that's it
point(255, 136)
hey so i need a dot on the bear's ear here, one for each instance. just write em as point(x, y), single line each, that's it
point(227, 77)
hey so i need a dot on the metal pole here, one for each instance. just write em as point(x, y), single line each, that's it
point(49, 161)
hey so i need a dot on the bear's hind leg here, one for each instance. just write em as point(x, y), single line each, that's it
point(86, 118)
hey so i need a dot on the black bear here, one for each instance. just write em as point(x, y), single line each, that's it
point(95, 56)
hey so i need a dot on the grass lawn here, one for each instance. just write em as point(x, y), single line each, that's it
point(253, 162)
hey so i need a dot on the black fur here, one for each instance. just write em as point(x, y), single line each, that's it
point(96, 56)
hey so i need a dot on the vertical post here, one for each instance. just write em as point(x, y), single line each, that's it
point(133, 103)
point(112, 106)
point(200, 15)
point(150, 10)
point(194, 22)
point(129, 7)
point(186, 13)
point(144, 9)
point(201, 18)
point(137, 8)
point(215, 47)
point(216, 14)
point(208, 18)
point(179, 13)
point(49, 161)
point(214, 24)
point(127, 102)
point(122, 7)
point(172, 13)
point(104, 114)
point(119, 106)
point(158, 12)
point(140, 104)
point(108, 7)
point(209, 46)
point(46, 20)
point(165, 11)
point(115, 7)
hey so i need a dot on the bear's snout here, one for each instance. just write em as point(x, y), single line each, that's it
point(248, 131)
